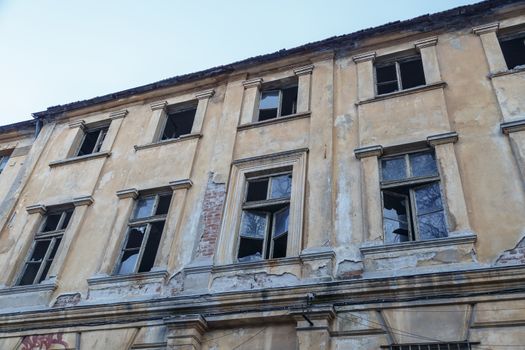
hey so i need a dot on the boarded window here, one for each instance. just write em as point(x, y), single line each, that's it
point(45, 246)
point(145, 229)
point(263, 233)
point(399, 75)
point(412, 202)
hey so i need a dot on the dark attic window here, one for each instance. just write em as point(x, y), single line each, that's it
point(92, 141)
point(278, 101)
point(513, 49)
point(179, 121)
point(399, 75)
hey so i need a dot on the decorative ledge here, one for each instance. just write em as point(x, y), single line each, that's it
point(274, 121)
point(179, 184)
point(144, 277)
point(486, 28)
point(256, 82)
point(304, 70)
point(259, 264)
point(367, 56)
point(512, 126)
point(205, 94)
point(42, 287)
point(77, 124)
point(406, 246)
point(421, 44)
point(517, 70)
point(167, 142)
point(118, 114)
point(158, 105)
point(128, 193)
point(80, 158)
point(36, 209)
point(368, 151)
point(441, 139)
point(271, 156)
point(414, 90)
point(84, 200)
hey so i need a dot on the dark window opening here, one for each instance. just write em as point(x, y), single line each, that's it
point(514, 52)
point(3, 162)
point(144, 234)
point(399, 75)
point(264, 223)
point(92, 142)
point(178, 123)
point(412, 204)
point(45, 246)
point(277, 103)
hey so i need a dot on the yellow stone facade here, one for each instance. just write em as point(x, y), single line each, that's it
point(337, 282)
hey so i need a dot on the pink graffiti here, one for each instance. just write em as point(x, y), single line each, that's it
point(44, 342)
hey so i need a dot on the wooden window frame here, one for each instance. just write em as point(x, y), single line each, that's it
point(396, 61)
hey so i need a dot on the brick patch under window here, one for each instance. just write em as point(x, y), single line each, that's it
point(212, 215)
point(514, 256)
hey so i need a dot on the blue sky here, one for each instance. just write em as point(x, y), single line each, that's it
point(56, 51)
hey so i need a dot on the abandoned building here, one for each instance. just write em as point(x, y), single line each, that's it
point(366, 191)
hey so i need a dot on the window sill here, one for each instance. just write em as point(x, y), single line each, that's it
point(169, 141)
point(417, 89)
point(274, 121)
point(516, 70)
point(31, 288)
point(143, 277)
point(413, 245)
point(79, 158)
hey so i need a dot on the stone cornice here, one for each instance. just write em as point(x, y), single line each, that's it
point(363, 57)
point(512, 126)
point(304, 70)
point(368, 151)
point(205, 94)
point(78, 124)
point(36, 209)
point(250, 83)
point(420, 44)
point(486, 28)
point(128, 193)
point(158, 105)
point(84, 200)
point(440, 139)
point(118, 114)
point(178, 184)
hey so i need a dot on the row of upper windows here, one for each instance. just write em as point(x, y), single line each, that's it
point(412, 210)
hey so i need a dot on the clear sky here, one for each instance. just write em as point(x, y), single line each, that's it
point(59, 51)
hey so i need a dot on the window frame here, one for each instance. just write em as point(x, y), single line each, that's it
point(279, 89)
point(174, 109)
point(147, 222)
point(53, 236)
point(270, 216)
point(4, 159)
point(102, 134)
point(518, 34)
point(396, 61)
point(412, 183)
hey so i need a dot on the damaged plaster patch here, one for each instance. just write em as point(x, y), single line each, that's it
point(253, 281)
point(349, 269)
point(175, 284)
point(514, 256)
point(65, 300)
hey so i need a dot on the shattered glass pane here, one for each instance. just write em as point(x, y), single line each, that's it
point(395, 231)
point(432, 226)
point(279, 246)
point(428, 198)
point(129, 258)
point(135, 236)
point(253, 257)
point(40, 250)
point(257, 190)
point(29, 275)
point(144, 207)
point(253, 224)
point(281, 186)
point(152, 245)
point(423, 164)
point(281, 221)
point(393, 169)
point(395, 218)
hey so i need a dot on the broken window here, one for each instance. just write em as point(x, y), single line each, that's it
point(513, 48)
point(45, 246)
point(3, 162)
point(412, 202)
point(179, 121)
point(144, 233)
point(92, 141)
point(399, 75)
point(263, 232)
point(275, 103)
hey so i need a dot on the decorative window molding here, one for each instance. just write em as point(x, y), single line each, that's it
point(242, 171)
